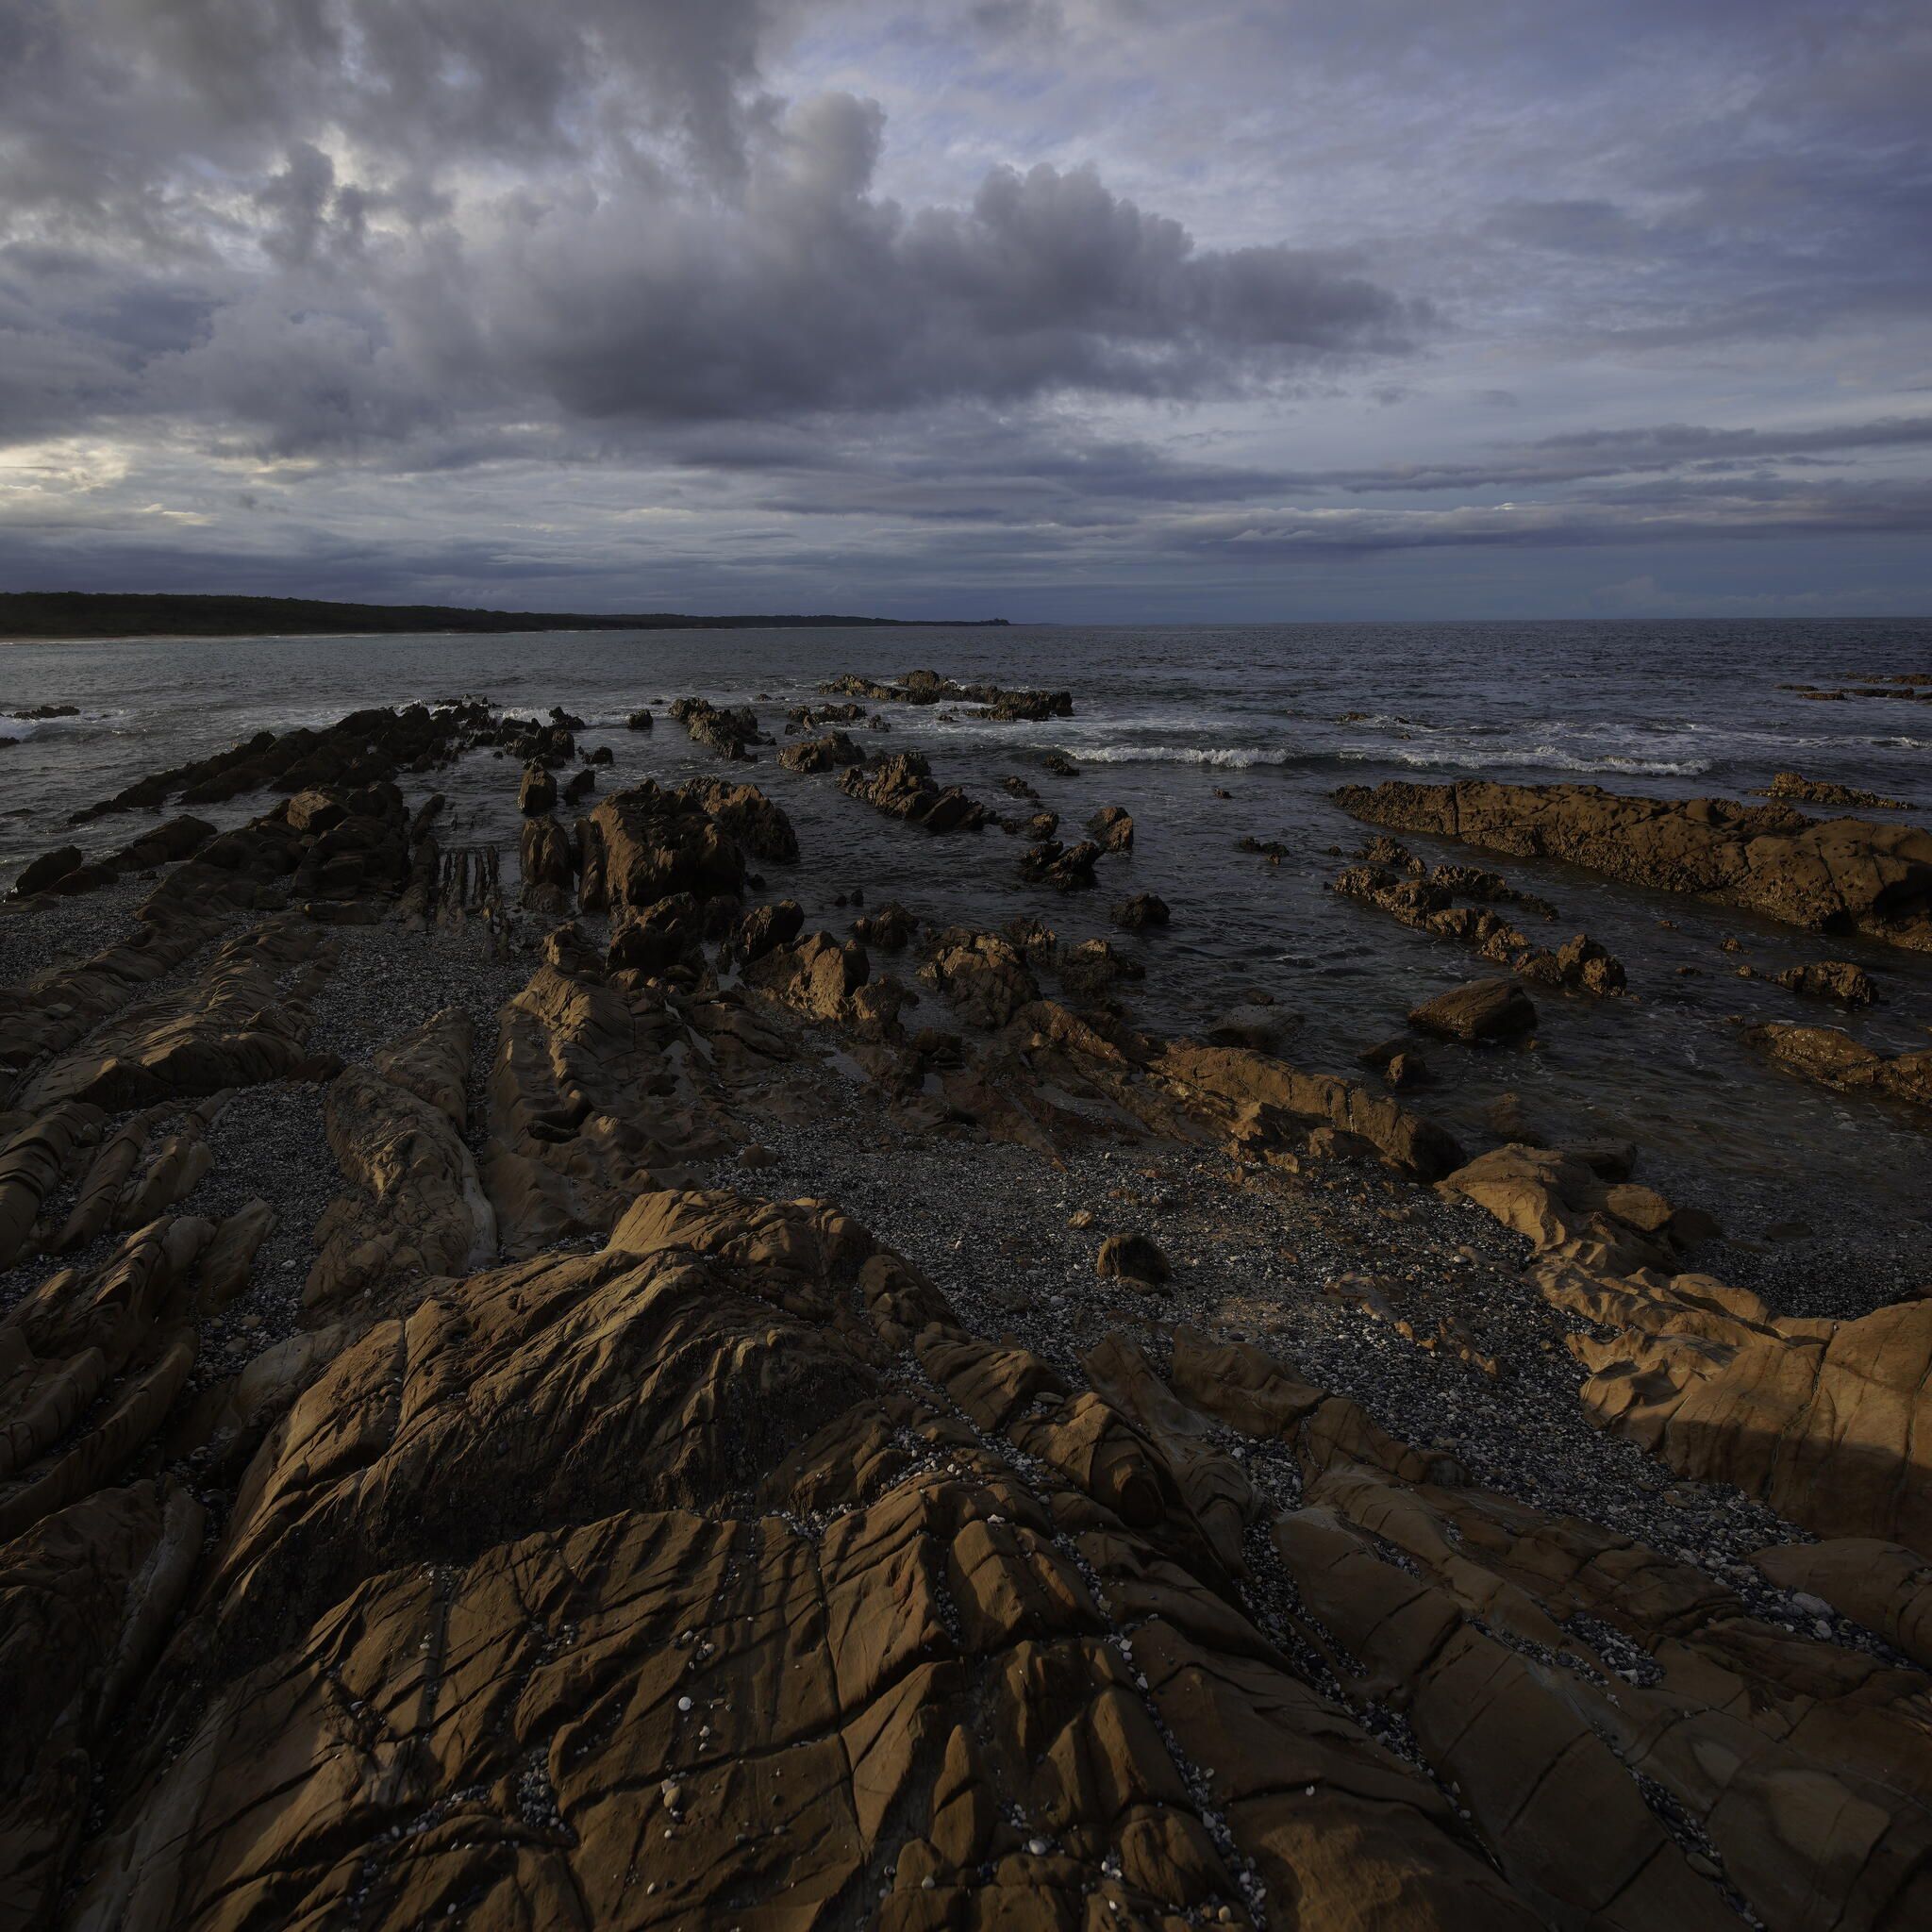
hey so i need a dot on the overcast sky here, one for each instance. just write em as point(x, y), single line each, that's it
point(1081, 309)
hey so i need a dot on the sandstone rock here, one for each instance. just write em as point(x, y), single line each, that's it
point(362, 748)
point(1094, 967)
point(1113, 828)
point(537, 795)
point(767, 926)
point(243, 1020)
point(818, 976)
point(1880, 1585)
point(1822, 791)
point(902, 784)
point(760, 826)
point(646, 843)
point(929, 1688)
point(1835, 874)
point(419, 1207)
point(548, 861)
point(1482, 1010)
point(983, 974)
point(1830, 1057)
point(1428, 906)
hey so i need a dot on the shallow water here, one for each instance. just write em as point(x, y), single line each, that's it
point(1278, 716)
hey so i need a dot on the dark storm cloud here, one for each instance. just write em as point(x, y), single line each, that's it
point(590, 209)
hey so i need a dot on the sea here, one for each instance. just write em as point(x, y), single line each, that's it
point(1206, 735)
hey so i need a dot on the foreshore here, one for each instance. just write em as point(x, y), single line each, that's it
point(538, 1391)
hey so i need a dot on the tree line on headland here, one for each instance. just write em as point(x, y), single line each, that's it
point(100, 614)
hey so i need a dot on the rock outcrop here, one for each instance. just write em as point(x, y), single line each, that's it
point(1429, 905)
point(1829, 1421)
point(731, 732)
point(1484, 1009)
point(1829, 875)
point(1830, 1057)
point(902, 785)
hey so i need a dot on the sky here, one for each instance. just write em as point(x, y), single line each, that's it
point(1067, 310)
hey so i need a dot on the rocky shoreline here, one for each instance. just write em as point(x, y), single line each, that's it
point(580, 1401)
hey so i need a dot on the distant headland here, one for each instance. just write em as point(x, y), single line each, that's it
point(115, 614)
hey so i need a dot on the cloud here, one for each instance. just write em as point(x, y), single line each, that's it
point(1086, 289)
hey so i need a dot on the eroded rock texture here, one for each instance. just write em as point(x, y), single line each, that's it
point(1830, 1422)
point(1832, 875)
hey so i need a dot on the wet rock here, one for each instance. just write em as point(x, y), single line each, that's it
point(1822, 791)
point(1831, 979)
point(730, 733)
point(1830, 1057)
point(834, 752)
point(646, 843)
point(537, 795)
point(1094, 967)
point(1065, 868)
point(889, 929)
point(1428, 905)
point(984, 975)
point(1112, 827)
point(1137, 914)
point(759, 825)
point(1483, 1010)
point(639, 721)
point(902, 785)
point(1834, 873)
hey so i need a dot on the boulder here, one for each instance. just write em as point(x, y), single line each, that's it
point(1482, 1010)
point(758, 826)
point(1831, 1058)
point(835, 751)
point(902, 784)
point(1144, 909)
point(1831, 979)
point(1065, 868)
point(983, 974)
point(646, 842)
point(40, 874)
point(890, 928)
point(765, 927)
point(537, 795)
point(730, 733)
point(1113, 828)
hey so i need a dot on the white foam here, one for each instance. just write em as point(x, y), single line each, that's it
point(1231, 757)
point(1485, 758)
